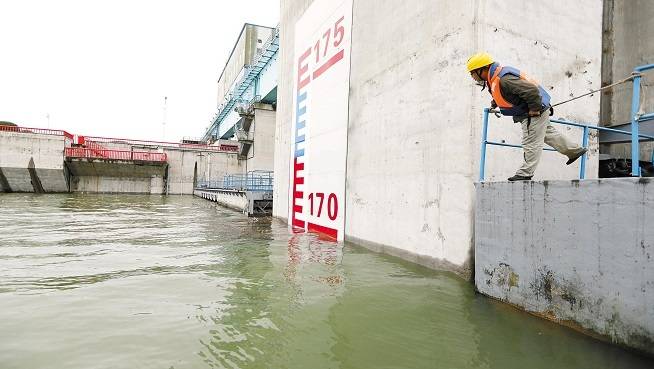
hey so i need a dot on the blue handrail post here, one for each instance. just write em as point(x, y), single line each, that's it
point(582, 168)
point(484, 140)
point(635, 104)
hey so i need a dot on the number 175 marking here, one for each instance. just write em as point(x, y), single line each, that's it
point(339, 33)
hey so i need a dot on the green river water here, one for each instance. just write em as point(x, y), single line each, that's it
point(178, 282)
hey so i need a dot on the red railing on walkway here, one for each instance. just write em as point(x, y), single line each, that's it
point(94, 146)
point(39, 131)
point(81, 152)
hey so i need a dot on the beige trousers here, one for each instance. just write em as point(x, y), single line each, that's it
point(534, 134)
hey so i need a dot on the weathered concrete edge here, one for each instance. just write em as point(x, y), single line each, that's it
point(464, 271)
point(569, 324)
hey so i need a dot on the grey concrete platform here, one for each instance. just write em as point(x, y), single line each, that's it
point(577, 252)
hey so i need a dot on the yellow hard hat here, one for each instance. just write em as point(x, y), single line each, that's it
point(479, 60)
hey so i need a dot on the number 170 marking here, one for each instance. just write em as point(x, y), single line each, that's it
point(332, 204)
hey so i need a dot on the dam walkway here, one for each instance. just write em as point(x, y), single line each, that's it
point(52, 161)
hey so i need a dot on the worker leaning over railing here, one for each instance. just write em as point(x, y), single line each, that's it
point(527, 102)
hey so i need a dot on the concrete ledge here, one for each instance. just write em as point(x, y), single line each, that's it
point(464, 271)
point(577, 252)
point(252, 203)
point(236, 200)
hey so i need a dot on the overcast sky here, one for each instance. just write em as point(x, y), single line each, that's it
point(103, 68)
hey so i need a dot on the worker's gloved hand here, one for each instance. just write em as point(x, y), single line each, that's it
point(493, 104)
point(534, 113)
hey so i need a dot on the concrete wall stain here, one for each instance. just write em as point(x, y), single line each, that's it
point(542, 284)
point(502, 276)
point(514, 279)
point(550, 287)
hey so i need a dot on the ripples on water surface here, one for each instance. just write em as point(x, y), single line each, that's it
point(178, 282)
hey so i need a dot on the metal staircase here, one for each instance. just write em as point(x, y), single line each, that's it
point(250, 73)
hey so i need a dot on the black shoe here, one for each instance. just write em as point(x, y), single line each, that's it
point(577, 156)
point(519, 178)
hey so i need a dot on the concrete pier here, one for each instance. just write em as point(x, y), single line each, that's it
point(577, 252)
point(32, 162)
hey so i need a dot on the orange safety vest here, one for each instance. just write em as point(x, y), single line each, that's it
point(496, 72)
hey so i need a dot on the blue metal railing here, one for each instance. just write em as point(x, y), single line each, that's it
point(635, 105)
point(635, 135)
point(255, 181)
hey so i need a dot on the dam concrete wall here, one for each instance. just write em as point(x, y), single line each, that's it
point(31, 162)
point(414, 116)
point(577, 252)
point(101, 176)
point(187, 166)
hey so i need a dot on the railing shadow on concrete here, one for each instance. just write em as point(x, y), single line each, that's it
point(636, 137)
